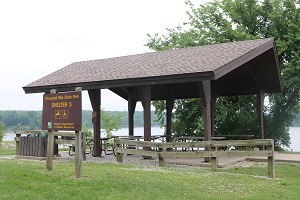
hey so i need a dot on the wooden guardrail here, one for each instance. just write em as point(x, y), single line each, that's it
point(30, 147)
point(159, 150)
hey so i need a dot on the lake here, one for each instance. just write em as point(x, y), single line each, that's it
point(138, 131)
point(295, 138)
point(294, 134)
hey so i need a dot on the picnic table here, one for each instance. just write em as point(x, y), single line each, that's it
point(237, 137)
point(193, 139)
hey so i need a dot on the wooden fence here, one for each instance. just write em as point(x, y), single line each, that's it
point(32, 146)
point(160, 150)
point(37, 146)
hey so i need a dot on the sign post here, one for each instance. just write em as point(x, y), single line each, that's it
point(63, 111)
point(78, 147)
point(50, 142)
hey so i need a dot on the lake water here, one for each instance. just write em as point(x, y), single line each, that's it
point(139, 131)
point(295, 138)
point(294, 134)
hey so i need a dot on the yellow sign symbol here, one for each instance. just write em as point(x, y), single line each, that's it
point(57, 114)
point(65, 114)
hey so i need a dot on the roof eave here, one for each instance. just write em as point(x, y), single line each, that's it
point(169, 79)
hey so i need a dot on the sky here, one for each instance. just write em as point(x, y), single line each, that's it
point(39, 37)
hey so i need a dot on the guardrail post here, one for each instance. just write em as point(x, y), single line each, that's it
point(214, 159)
point(119, 155)
point(271, 161)
point(162, 160)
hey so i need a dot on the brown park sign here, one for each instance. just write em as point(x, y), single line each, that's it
point(62, 111)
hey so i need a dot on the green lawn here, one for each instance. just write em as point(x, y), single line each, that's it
point(28, 179)
point(25, 179)
point(6, 148)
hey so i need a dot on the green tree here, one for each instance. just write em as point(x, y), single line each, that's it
point(2, 133)
point(110, 122)
point(88, 131)
point(235, 20)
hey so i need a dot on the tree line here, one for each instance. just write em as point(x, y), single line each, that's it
point(31, 120)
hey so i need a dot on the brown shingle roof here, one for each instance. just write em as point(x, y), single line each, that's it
point(201, 59)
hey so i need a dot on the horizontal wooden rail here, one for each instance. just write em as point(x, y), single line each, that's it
point(125, 146)
point(60, 141)
point(37, 132)
point(256, 142)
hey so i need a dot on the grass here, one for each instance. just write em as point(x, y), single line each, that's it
point(7, 148)
point(27, 179)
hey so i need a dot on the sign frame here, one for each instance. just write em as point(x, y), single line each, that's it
point(62, 111)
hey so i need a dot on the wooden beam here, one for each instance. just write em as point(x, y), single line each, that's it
point(95, 98)
point(139, 82)
point(122, 92)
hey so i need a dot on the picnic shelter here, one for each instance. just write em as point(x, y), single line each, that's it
point(205, 72)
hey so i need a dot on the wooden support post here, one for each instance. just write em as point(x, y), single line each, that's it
point(213, 108)
point(205, 94)
point(78, 154)
point(260, 111)
point(119, 155)
point(169, 108)
point(95, 98)
point(131, 110)
point(145, 95)
point(50, 145)
point(271, 161)
point(214, 160)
